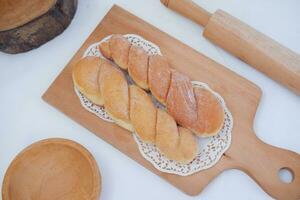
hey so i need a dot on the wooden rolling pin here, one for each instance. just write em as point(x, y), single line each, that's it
point(243, 41)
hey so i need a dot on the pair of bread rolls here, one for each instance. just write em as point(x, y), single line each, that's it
point(194, 108)
point(132, 108)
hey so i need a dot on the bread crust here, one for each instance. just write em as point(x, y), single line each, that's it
point(132, 108)
point(138, 66)
point(210, 113)
point(171, 88)
point(188, 145)
point(167, 135)
point(181, 102)
point(159, 77)
point(119, 47)
point(142, 114)
point(175, 143)
point(85, 76)
point(114, 88)
point(105, 50)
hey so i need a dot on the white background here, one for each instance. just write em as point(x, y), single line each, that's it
point(25, 118)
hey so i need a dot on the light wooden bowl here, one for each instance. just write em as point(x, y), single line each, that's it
point(50, 169)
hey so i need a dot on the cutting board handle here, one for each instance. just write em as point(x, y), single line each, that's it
point(189, 9)
point(263, 162)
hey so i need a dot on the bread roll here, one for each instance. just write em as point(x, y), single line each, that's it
point(181, 102)
point(132, 108)
point(142, 114)
point(105, 50)
point(176, 144)
point(169, 87)
point(159, 76)
point(188, 145)
point(114, 89)
point(210, 113)
point(85, 76)
point(167, 135)
point(119, 47)
point(138, 66)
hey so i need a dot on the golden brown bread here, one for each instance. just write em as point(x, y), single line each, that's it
point(132, 108)
point(176, 143)
point(142, 114)
point(138, 66)
point(159, 77)
point(119, 48)
point(181, 103)
point(210, 112)
point(114, 90)
point(167, 135)
point(188, 145)
point(170, 87)
point(105, 50)
point(85, 76)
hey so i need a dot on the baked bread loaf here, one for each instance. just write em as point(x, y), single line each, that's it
point(114, 90)
point(85, 76)
point(193, 108)
point(132, 108)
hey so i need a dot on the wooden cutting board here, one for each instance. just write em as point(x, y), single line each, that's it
point(247, 153)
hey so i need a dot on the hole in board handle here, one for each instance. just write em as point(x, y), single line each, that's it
point(286, 175)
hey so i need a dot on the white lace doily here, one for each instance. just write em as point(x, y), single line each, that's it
point(210, 149)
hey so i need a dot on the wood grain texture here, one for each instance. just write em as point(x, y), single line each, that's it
point(20, 31)
point(15, 13)
point(188, 9)
point(242, 98)
point(244, 42)
point(50, 169)
point(255, 48)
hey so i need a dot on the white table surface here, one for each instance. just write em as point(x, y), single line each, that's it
point(25, 118)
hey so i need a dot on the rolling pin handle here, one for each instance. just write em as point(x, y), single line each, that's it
point(189, 9)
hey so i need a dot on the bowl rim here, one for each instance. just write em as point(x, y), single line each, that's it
point(97, 183)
